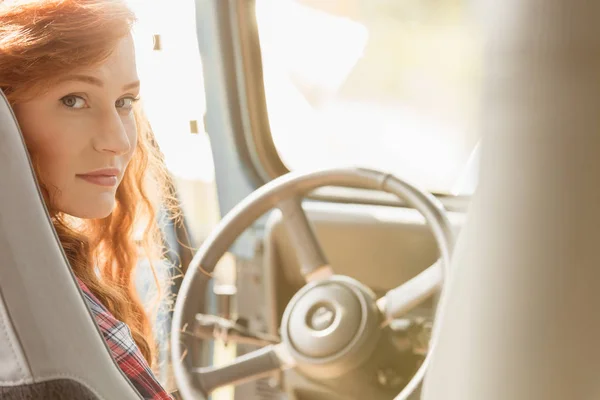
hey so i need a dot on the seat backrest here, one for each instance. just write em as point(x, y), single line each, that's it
point(50, 346)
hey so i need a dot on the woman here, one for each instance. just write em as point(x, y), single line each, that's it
point(68, 69)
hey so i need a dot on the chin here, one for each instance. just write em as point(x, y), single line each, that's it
point(91, 210)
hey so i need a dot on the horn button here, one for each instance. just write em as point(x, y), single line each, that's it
point(331, 323)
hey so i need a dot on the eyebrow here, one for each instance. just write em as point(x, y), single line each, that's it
point(97, 82)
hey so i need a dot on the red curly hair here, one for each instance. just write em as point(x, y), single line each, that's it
point(41, 40)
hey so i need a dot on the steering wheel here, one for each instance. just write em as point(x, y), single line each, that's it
point(332, 325)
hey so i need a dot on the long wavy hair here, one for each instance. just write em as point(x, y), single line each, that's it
point(40, 39)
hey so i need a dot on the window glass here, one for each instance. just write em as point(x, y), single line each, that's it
point(172, 92)
point(385, 84)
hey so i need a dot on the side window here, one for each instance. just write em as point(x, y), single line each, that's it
point(386, 84)
point(170, 70)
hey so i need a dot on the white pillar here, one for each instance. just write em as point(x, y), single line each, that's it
point(522, 320)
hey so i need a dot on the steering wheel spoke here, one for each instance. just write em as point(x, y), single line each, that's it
point(254, 365)
point(313, 263)
point(400, 300)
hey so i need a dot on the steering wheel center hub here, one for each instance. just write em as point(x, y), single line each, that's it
point(326, 323)
point(324, 320)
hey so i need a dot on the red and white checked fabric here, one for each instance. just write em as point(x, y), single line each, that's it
point(124, 350)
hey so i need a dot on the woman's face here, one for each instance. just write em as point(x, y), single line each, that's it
point(82, 134)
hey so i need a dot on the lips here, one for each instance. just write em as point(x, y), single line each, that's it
point(108, 177)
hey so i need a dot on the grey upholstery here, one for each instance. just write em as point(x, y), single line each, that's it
point(50, 347)
point(60, 389)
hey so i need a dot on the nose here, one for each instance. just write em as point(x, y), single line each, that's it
point(111, 135)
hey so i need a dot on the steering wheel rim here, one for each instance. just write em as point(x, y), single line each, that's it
point(277, 194)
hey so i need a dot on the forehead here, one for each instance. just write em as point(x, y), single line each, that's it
point(119, 67)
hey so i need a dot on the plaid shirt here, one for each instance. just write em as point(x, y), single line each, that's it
point(124, 350)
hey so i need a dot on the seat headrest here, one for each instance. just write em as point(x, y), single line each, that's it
point(47, 332)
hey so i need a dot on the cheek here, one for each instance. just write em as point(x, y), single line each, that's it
point(132, 135)
point(51, 145)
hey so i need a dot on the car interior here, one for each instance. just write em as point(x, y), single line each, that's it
point(397, 202)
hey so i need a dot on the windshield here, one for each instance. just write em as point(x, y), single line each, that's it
point(385, 84)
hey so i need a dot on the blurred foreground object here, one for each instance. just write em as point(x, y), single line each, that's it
point(520, 318)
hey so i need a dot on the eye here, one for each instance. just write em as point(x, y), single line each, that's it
point(73, 101)
point(125, 103)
